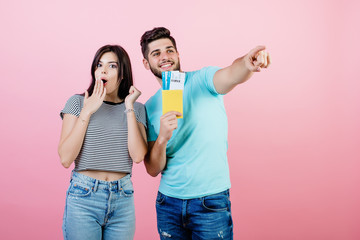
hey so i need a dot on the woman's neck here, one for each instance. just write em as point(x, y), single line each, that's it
point(112, 98)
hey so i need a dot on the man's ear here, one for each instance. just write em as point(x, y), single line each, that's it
point(146, 64)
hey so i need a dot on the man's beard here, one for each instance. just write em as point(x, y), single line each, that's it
point(157, 72)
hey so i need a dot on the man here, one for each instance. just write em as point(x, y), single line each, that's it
point(190, 152)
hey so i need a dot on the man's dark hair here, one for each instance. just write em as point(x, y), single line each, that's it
point(152, 35)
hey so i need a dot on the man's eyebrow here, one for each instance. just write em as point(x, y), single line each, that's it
point(156, 50)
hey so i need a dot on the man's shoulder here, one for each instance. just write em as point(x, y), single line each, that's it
point(153, 100)
point(202, 72)
point(204, 69)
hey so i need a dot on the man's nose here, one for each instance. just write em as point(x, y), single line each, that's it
point(164, 55)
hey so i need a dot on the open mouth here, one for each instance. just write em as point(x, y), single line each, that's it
point(104, 81)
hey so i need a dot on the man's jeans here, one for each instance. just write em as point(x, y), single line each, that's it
point(207, 218)
point(98, 209)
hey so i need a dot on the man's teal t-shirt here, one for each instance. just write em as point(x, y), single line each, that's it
point(196, 153)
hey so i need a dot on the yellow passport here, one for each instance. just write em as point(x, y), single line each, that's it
point(172, 100)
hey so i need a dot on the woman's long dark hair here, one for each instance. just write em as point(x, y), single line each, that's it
point(125, 73)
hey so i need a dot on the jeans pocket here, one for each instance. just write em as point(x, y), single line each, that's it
point(160, 198)
point(79, 190)
point(128, 189)
point(217, 202)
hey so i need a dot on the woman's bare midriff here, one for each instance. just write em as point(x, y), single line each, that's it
point(102, 175)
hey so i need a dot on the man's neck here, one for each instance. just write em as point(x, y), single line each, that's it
point(159, 81)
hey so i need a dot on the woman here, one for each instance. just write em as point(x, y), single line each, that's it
point(103, 131)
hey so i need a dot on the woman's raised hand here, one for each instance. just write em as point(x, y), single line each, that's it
point(93, 103)
point(134, 94)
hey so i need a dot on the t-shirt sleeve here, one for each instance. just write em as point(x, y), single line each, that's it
point(151, 134)
point(153, 114)
point(207, 76)
point(140, 113)
point(72, 106)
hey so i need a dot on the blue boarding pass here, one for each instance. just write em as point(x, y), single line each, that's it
point(173, 80)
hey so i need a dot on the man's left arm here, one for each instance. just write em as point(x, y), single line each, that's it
point(241, 70)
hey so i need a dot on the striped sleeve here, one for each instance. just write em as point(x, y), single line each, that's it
point(72, 106)
point(140, 113)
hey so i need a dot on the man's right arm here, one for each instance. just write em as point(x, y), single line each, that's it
point(155, 160)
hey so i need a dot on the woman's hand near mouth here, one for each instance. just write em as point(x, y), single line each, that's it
point(92, 103)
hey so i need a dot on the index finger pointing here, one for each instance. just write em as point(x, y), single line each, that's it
point(254, 51)
point(268, 60)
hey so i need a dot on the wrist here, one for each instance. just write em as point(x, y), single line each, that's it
point(84, 117)
point(162, 140)
point(129, 110)
point(86, 113)
point(129, 105)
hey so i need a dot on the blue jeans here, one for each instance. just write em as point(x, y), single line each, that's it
point(98, 209)
point(207, 218)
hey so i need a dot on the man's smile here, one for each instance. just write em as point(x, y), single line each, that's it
point(166, 65)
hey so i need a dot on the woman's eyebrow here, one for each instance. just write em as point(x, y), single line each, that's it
point(109, 62)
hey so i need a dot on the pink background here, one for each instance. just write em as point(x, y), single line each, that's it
point(294, 129)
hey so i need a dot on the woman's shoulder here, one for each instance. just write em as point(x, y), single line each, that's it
point(139, 105)
point(77, 97)
point(73, 105)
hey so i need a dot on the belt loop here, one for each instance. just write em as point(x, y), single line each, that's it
point(71, 175)
point(119, 185)
point(96, 185)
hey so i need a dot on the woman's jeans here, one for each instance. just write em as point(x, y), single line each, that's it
point(207, 217)
point(98, 209)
